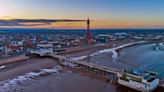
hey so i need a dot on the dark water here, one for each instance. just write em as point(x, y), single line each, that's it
point(147, 57)
point(78, 31)
point(67, 82)
point(58, 82)
point(144, 57)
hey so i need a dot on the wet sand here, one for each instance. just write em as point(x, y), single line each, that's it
point(66, 81)
point(34, 64)
point(69, 82)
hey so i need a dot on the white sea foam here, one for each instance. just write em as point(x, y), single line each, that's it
point(2, 67)
point(79, 58)
point(115, 55)
point(111, 50)
point(114, 50)
point(11, 85)
point(161, 44)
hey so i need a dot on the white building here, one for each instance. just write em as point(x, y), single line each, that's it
point(42, 52)
point(45, 45)
point(43, 49)
point(144, 82)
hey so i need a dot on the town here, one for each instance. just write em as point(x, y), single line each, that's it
point(76, 49)
point(12, 44)
point(81, 46)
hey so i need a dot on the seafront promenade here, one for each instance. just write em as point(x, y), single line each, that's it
point(14, 59)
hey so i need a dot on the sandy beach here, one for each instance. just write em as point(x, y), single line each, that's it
point(16, 69)
point(69, 80)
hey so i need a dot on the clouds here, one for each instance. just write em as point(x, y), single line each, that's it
point(33, 22)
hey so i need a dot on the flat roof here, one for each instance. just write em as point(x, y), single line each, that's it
point(149, 76)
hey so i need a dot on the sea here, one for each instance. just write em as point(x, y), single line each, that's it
point(77, 31)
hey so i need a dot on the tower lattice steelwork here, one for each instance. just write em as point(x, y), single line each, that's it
point(88, 33)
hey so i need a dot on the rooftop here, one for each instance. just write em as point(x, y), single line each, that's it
point(139, 75)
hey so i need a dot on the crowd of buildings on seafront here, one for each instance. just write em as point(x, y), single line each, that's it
point(17, 43)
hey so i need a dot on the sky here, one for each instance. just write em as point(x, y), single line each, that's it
point(105, 14)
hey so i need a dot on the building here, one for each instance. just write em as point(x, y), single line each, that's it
point(103, 38)
point(2, 50)
point(145, 81)
point(88, 33)
point(120, 36)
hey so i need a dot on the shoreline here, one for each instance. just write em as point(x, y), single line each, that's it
point(24, 58)
point(115, 51)
point(16, 69)
point(82, 73)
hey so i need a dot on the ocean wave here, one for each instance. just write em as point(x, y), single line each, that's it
point(111, 50)
point(11, 85)
point(2, 67)
point(79, 58)
point(114, 50)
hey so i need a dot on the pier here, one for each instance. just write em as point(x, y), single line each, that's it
point(108, 72)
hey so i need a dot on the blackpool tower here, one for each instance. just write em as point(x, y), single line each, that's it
point(88, 33)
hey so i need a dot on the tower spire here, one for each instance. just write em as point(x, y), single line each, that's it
point(88, 33)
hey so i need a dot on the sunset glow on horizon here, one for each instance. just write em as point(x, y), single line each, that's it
point(106, 14)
